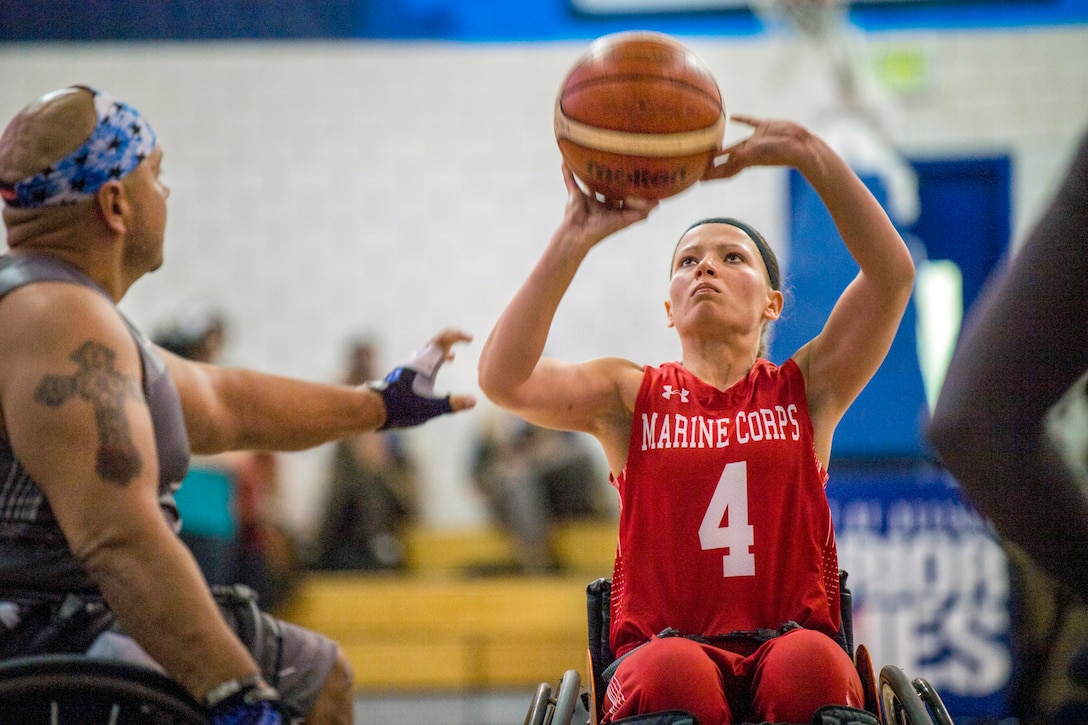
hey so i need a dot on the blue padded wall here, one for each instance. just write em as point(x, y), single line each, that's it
point(886, 420)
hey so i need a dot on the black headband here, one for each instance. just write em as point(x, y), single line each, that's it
point(756, 237)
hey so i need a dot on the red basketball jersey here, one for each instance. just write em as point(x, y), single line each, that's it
point(724, 522)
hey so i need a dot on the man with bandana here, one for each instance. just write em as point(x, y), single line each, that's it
point(97, 424)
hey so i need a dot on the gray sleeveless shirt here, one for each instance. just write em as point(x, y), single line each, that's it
point(34, 555)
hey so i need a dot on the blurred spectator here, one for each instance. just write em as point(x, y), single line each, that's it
point(197, 333)
point(229, 503)
point(534, 478)
point(267, 560)
point(372, 491)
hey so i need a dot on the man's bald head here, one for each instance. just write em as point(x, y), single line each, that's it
point(46, 131)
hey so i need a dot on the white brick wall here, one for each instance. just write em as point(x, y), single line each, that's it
point(324, 190)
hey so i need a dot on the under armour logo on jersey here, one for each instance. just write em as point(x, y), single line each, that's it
point(669, 392)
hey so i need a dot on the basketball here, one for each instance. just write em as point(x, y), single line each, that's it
point(638, 115)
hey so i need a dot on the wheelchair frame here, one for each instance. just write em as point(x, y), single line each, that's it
point(65, 689)
point(894, 699)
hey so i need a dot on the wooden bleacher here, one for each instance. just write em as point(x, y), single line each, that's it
point(447, 626)
point(579, 546)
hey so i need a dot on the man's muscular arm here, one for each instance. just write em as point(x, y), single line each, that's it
point(70, 390)
point(240, 409)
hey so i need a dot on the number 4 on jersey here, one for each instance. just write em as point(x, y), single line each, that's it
point(725, 523)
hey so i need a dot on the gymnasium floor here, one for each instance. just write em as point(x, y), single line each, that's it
point(492, 708)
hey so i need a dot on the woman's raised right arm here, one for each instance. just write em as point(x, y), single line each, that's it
point(512, 371)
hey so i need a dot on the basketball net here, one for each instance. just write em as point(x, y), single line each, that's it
point(856, 124)
point(824, 25)
point(814, 19)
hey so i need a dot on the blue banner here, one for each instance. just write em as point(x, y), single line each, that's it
point(930, 582)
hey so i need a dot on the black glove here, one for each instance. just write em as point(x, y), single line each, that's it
point(245, 702)
point(408, 391)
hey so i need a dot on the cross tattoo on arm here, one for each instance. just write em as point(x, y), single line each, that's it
point(99, 382)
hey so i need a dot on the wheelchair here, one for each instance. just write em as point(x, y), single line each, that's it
point(74, 689)
point(892, 699)
point(63, 689)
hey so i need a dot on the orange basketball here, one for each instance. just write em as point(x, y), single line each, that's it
point(638, 115)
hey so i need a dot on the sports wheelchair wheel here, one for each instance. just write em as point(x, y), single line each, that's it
point(899, 701)
point(933, 701)
point(538, 708)
point(79, 690)
point(544, 710)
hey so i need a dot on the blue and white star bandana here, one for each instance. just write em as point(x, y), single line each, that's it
point(120, 141)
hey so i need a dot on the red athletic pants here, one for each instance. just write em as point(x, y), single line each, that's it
point(786, 680)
